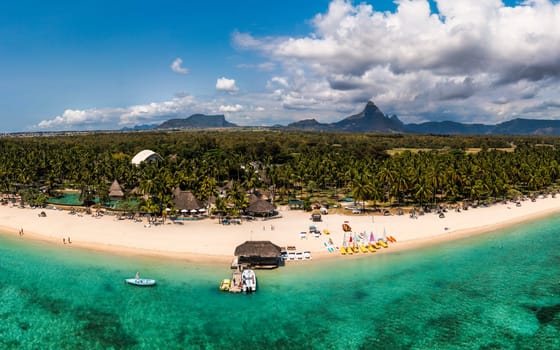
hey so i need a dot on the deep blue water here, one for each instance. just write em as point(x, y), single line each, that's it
point(500, 290)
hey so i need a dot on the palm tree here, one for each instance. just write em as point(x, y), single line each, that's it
point(362, 189)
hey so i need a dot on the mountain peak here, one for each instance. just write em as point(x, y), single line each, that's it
point(197, 121)
point(370, 119)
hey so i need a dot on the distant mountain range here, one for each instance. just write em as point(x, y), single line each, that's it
point(197, 121)
point(371, 119)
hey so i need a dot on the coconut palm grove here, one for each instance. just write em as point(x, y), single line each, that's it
point(376, 170)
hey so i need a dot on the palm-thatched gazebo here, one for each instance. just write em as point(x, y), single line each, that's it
point(261, 208)
point(185, 201)
point(115, 191)
point(258, 254)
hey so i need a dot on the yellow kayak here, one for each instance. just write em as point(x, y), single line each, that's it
point(343, 250)
point(383, 244)
point(371, 248)
point(226, 283)
point(364, 249)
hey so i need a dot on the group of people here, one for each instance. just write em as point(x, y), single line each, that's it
point(64, 240)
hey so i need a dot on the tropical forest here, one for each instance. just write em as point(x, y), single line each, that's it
point(374, 170)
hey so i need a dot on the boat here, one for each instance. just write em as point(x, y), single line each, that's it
point(393, 239)
point(371, 248)
point(143, 282)
point(382, 243)
point(343, 250)
point(249, 281)
point(363, 248)
point(225, 284)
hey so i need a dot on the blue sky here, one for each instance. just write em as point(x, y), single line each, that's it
point(82, 65)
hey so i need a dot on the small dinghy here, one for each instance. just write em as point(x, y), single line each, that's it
point(144, 282)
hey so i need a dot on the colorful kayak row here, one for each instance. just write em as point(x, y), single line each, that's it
point(372, 247)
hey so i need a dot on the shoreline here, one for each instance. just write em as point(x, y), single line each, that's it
point(207, 241)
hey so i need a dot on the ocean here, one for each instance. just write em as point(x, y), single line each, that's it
point(500, 290)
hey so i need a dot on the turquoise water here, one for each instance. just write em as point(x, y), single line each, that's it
point(497, 291)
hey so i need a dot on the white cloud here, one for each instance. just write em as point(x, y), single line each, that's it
point(89, 119)
point(419, 64)
point(473, 60)
point(176, 66)
point(227, 85)
point(230, 108)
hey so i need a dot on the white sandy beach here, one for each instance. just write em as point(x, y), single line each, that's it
point(208, 240)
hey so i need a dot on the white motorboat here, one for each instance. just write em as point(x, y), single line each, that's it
point(249, 281)
point(143, 282)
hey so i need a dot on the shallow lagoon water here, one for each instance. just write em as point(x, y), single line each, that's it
point(500, 290)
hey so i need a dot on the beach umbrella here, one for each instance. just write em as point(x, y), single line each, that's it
point(194, 211)
point(184, 211)
point(201, 210)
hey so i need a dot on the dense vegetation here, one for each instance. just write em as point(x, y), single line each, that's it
point(309, 166)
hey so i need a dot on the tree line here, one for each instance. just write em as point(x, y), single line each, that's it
point(314, 166)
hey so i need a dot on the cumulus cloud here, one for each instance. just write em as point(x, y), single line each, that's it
point(176, 66)
point(230, 108)
point(227, 85)
point(90, 119)
point(459, 61)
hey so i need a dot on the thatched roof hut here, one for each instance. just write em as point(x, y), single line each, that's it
point(262, 254)
point(261, 208)
point(185, 200)
point(115, 191)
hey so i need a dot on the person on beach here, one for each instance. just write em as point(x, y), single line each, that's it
point(69, 241)
point(137, 276)
point(63, 240)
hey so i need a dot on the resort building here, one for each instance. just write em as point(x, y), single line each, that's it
point(186, 202)
point(262, 208)
point(258, 254)
point(145, 155)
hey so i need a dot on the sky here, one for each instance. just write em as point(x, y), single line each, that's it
point(97, 64)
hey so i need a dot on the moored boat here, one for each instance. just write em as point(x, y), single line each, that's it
point(225, 284)
point(142, 282)
point(249, 281)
